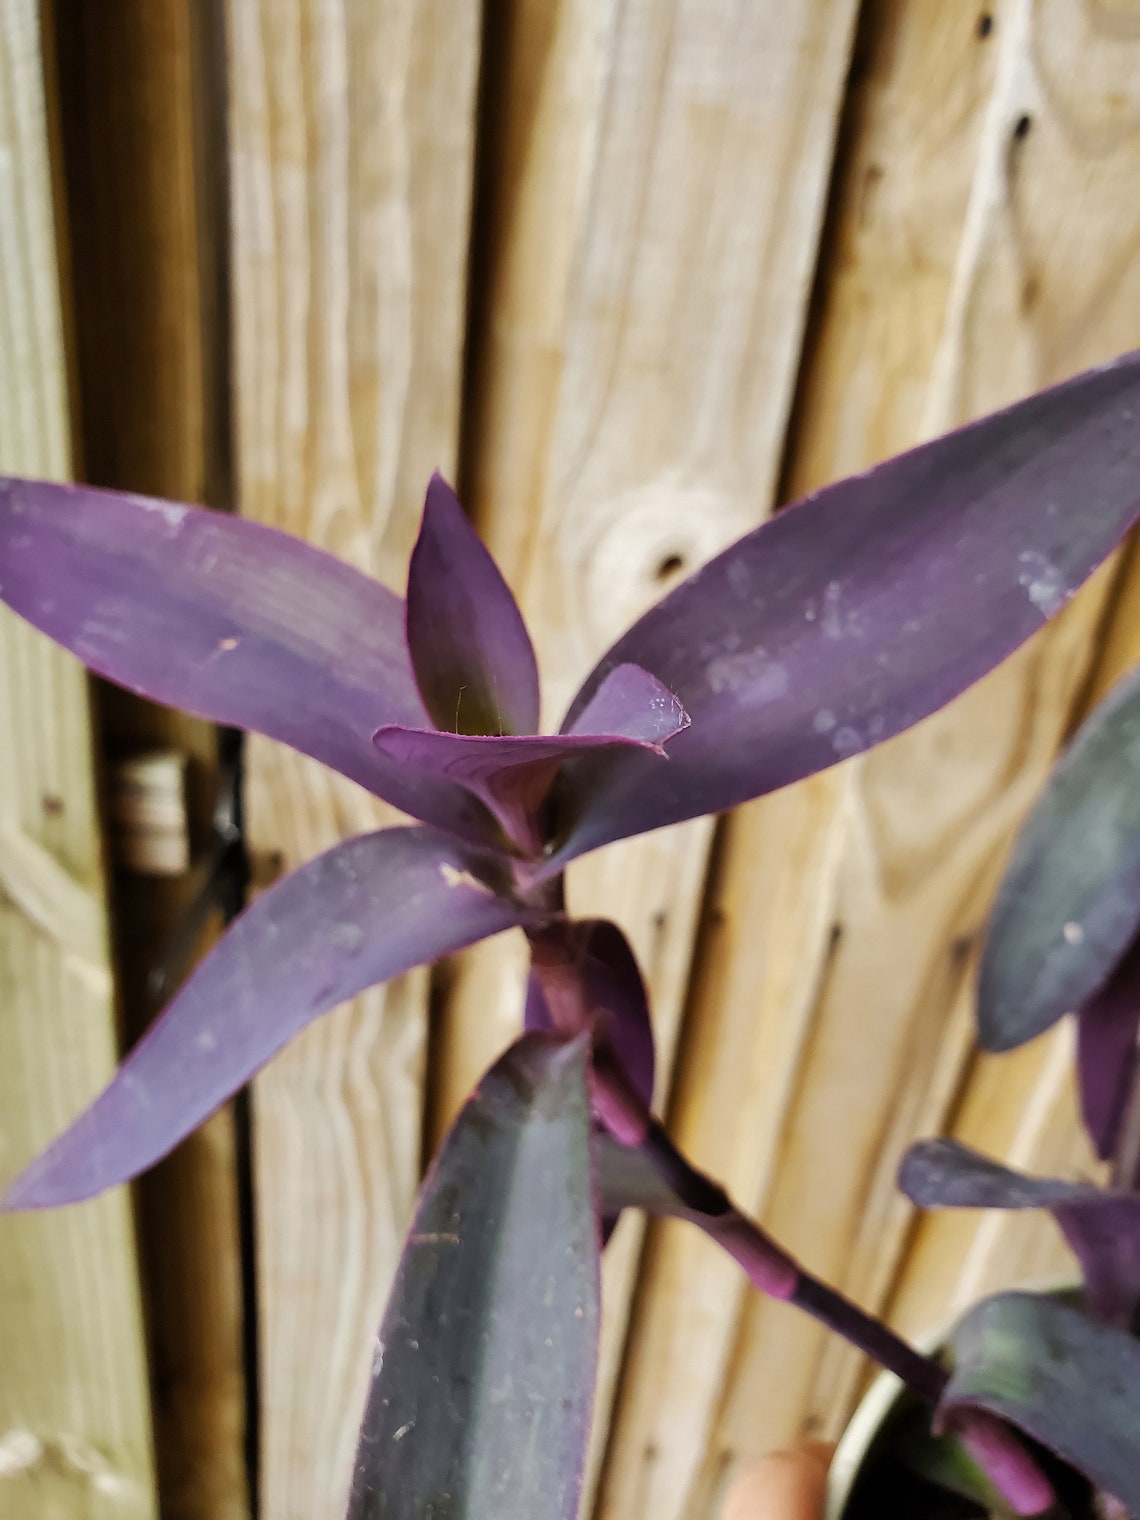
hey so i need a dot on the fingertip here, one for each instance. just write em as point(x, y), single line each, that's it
point(788, 1485)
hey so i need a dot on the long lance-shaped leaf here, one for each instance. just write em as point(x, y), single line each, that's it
point(364, 911)
point(1070, 1383)
point(1107, 1027)
point(1102, 1228)
point(227, 619)
point(483, 1376)
point(871, 604)
point(1070, 901)
point(472, 655)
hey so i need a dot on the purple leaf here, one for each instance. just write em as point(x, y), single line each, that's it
point(483, 1375)
point(1066, 1381)
point(364, 911)
point(1102, 1228)
point(598, 959)
point(227, 619)
point(510, 777)
point(214, 614)
point(1107, 1027)
point(633, 704)
point(470, 649)
point(1069, 904)
point(871, 604)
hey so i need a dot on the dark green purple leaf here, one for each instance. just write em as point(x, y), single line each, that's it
point(1065, 1380)
point(471, 652)
point(1102, 1228)
point(1107, 1028)
point(365, 911)
point(871, 604)
point(1069, 904)
point(483, 1375)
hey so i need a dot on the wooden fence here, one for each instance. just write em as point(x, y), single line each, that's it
point(635, 272)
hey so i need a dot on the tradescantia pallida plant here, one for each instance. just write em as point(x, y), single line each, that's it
point(834, 626)
point(1064, 937)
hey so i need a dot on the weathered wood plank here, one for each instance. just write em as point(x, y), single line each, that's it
point(352, 131)
point(75, 1436)
point(975, 255)
point(140, 170)
point(654, 183)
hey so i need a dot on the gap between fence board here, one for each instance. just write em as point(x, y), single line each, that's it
point(137, 87)
point(75, 1420)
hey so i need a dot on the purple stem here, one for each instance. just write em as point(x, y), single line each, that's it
point(923, 1376)
point(995, 1446)
point(999, 1450)
point(774, 1272)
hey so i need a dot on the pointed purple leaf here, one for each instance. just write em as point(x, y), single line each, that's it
point(363, 912)
point(223, 617)
point(227, 619)
point(1102, 1228)
point(848, 618)
point(510, 777)
point(598, 953)
point(471, 652)
point(633, 704)
point(483, 1375)
point(1107, 1028)
point(1066, 1381)
point(1069, 904)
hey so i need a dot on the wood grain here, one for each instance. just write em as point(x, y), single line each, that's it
point(137, 95)
point(1023, 1107)
point(962, 270)
point(75, 1437)
point(352, 142)
point(654, 178)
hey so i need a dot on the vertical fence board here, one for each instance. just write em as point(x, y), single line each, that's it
point(654, 176)
point(352, 132)
point(1022, 1107)
point(136, 108)
point(770, 935)
point(982, 237)
point(74, 1405)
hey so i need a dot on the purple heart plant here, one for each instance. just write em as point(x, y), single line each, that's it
point(1064, 936)
point(837, 624)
